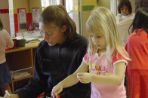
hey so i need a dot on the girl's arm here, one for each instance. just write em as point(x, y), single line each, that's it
point(114, 79)
point(70, 80)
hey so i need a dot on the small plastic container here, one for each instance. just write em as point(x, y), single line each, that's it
point(20, 42)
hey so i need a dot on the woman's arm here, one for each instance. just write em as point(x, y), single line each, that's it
point(70, 80)
point(36, 85)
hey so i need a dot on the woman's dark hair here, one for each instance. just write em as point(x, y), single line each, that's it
point(58, 15)
point(1, 25)
point(126, 3)
point(141, 19)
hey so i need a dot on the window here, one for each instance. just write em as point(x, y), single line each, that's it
point(69, 5)
point(45, 3)
point(114, 6)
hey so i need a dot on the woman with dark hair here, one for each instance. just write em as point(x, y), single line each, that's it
point(5, 42)
point(57, 56)
point(137, 47)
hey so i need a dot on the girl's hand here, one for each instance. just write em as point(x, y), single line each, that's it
point(84, 77)
point(57, 90)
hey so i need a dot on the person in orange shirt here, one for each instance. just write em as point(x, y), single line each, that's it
point(137, 47)
point(5, 42)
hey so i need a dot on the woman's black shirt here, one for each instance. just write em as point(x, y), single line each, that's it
point(53, 64)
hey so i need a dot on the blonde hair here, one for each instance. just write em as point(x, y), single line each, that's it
point(102, 20)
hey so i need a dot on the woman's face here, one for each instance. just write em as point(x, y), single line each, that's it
point(53, 34)
point(124, 11)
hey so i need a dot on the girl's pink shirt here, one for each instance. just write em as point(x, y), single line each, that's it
point(101, 65)
point(5, 42)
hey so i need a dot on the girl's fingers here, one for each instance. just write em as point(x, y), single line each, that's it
point(79, 74)
point(82, 81)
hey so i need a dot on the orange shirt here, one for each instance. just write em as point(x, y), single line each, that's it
point(137, 69)
point(137, 47)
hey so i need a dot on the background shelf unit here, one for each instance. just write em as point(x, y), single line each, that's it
point(21, 64)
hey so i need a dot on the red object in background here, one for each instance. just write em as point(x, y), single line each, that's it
point(41, 95)
point(3, 11)
point(15, 23)
point(28, 20)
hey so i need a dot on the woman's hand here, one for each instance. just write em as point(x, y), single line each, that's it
point(84, 77)
point(57, 89)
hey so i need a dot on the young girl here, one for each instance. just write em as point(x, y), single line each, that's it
point(106, 59)
point(137, 47)
point(5, 42)
point(124, 9)
point(124, 19)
